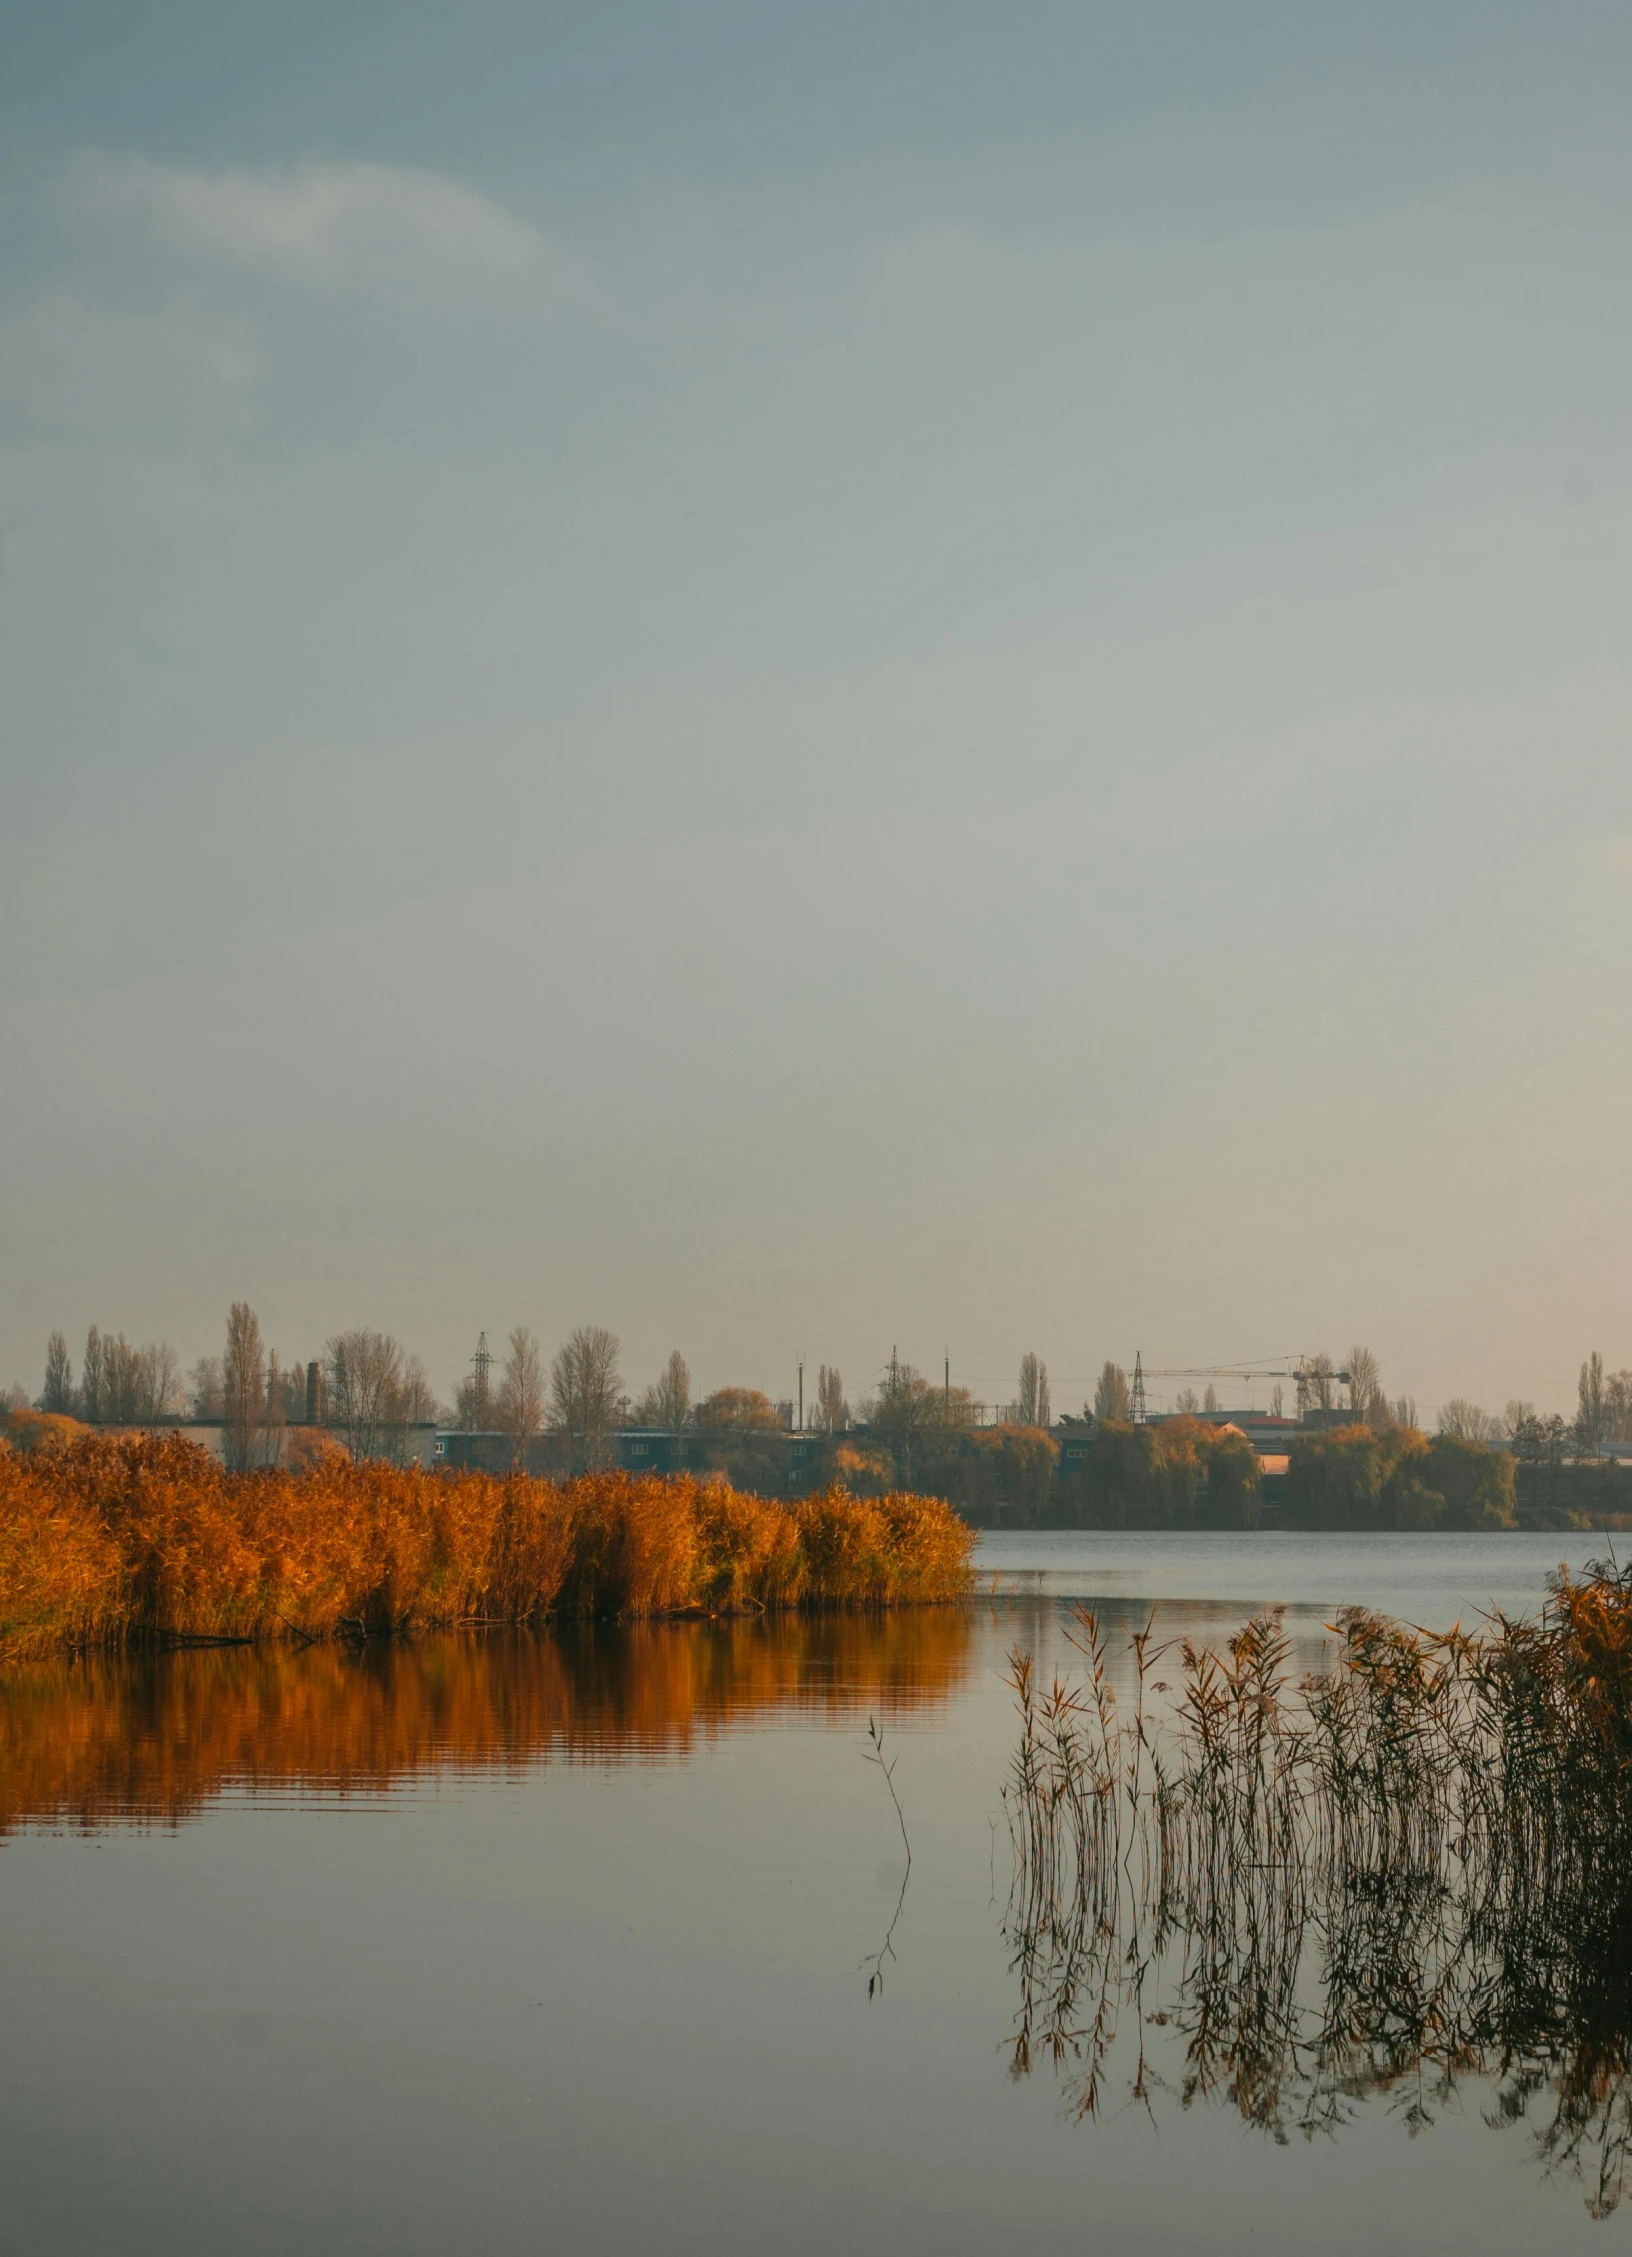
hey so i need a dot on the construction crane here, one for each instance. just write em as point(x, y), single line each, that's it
point(1302, 1371)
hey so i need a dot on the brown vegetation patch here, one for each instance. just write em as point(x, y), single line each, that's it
point(105, 1542)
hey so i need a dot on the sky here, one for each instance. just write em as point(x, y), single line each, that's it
point(807, 679)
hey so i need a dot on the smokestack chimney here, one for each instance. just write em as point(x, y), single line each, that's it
point(314, 1395)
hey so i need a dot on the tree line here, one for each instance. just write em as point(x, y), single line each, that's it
point(1602, 1422)
point(908, 1432)
point(373, 1394)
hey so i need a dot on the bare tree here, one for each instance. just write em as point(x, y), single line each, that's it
point(1364, 1382)
point(1317, 1384)
point(120, 1379)
point(1277, 1398)
point(832, 1411)
point(1370, 1405)
point(1187, 1402)
point(1592, 1418)
point(1209, 1401)
point(158, 1381)
point(416, 1397)
point(1468, 1422)
point(585, 1387)
point(90, 1379)
point(274, 1428)
point(1518, 1417)
point(292, 1394)
point(520, 1405)
point(121, 1385)
point(1032, 1406)
point(58, 1392)
point(1111, 1398)
point(666, 1404)
point(204, 1388)
point(673, 1393)
point(138, 1385)
point(243, 1389)
point(364, 1376)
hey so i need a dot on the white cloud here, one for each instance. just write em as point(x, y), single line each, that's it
point(352, 227)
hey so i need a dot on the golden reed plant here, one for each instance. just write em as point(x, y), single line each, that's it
point(113, 1541)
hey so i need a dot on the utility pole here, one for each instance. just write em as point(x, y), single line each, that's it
point(483, 1405)
point(948, 1385)
point(1138, 1402)
point(801, 1395)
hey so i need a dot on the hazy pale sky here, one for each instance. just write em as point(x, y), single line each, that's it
point(803, 677)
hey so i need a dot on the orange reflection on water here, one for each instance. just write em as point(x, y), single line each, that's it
point(153, 1739)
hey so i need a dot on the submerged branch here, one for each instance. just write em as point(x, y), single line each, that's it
point(886, 1950)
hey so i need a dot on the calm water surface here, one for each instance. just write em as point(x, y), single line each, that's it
point(598, 1942)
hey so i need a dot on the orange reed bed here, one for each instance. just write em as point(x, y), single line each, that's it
point(140, 1540)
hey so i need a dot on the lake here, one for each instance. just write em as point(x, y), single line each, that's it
point(604, 1941)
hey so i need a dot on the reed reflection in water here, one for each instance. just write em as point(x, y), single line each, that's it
point(567, 1940)
point(1407, 1872)
point(154, 1739)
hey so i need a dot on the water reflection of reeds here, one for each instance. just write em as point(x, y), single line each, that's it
point(1404, 1872)
point(154, 1738)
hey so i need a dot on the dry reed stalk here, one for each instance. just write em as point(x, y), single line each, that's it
point(119, 1540)
point(1411, 1867)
